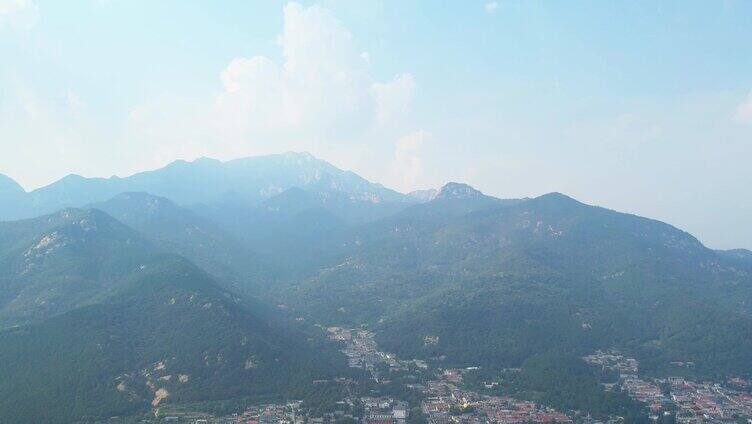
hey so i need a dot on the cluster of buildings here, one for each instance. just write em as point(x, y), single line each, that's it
point(447, 403)
point(694, 402)
point(613, 360)
point(644, 391)
point(376, 410)
point(361, 351)
point(360, 348)
point(702, 402)
point(288, 413)
point(384, 411)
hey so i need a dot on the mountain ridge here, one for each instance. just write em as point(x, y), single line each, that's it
point(170, 334)
point(557, 265)
point(61, 261)
point(9, 186)
point(98, 320)
point(175, 229)
point(451, 276)
point(454, 190)
point(250, 180)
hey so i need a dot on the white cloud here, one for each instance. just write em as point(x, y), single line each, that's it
point(18, 14)
point(46, 130)
point(393, 99)
point(744, 110)
point(321, 89)
point(491, 7)
point(321, 96)
point(408, 159)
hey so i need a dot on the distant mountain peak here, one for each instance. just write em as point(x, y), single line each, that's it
point(201, 161)
point(737, 254)
point(742, 253)
point(300, 155)
point(141, 197)
point(250, 180)
point(72, 177)
point(423, 195)
point(83, 216)
point(9, 186)
point(558, 202)
point(454, 190)
point(76, 226)
point(67, 215)
point(138, 200)
point(556, 195)
point(204, 159)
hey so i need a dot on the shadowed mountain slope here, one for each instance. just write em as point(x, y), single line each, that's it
point(178, 230)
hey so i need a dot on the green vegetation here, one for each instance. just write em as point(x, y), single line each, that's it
point(59, 262)
point(559, 380)
point(170, 328)
point(497, 285)
point(133, 328)
point(177, 230)
point(100, 319)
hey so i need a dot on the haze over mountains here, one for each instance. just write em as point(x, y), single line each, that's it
point(178, 285)
point(248, 180)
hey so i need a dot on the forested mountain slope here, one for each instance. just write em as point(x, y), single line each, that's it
point(174, 229)
point(99, 322)
point(167, 334)
point(58, 262)
point(494, 284)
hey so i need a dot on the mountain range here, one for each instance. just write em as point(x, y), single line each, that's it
point(100, 322)
point(179, 285)
point(247, 181)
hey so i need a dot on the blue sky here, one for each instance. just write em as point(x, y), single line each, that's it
point(640, 106)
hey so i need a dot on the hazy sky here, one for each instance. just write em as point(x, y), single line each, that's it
point(640, 106)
